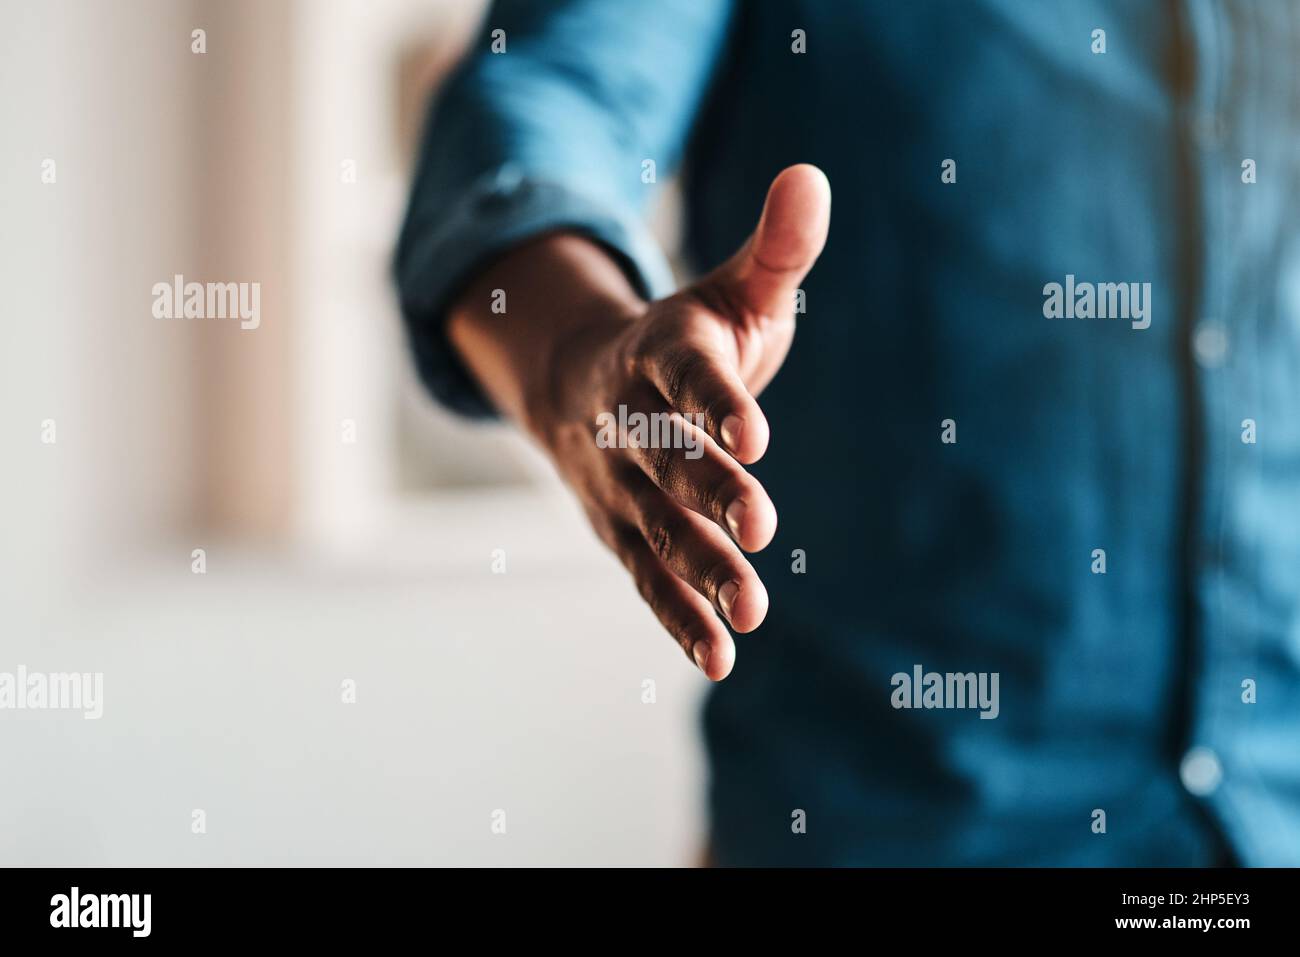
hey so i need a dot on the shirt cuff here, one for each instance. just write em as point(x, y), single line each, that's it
point(501, 210)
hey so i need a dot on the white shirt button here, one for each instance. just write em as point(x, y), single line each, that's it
point(507, 182)
point(507, 178)
point(1210, 343)
point(1200, 771)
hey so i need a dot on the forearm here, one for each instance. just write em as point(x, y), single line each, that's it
point(561, 293)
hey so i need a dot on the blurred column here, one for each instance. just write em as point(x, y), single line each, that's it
point(248, 166)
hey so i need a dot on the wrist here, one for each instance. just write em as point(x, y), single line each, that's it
point(569, 299)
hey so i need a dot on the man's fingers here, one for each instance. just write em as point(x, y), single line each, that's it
point(697, 377)
point(763, 276)
point(685, 615)
point(698, 553)
point(716, 368)
point(707, 352)
point(706, 480)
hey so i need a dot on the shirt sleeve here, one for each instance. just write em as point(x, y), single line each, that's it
point(553, 132)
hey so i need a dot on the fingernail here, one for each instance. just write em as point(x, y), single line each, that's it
point(731, 427)
point(726, 595)
point(735, 515)
point(701, 654)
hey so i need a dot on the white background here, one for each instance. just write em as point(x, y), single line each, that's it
point(325, 561)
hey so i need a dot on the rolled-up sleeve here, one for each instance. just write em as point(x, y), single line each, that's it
point(553, 133)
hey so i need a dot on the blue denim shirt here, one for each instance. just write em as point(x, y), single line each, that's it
point(1106, 516)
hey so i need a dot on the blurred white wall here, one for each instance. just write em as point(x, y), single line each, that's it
point(77, 259)
point(327, 561)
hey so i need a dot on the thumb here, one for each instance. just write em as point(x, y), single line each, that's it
point(763, 276)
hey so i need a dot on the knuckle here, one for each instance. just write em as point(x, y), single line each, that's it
point(711, 486)
point(661, 465)
point(717, 408)
point(715, 576)
point(681, 371)
point(715, 498)
point(663, 541)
